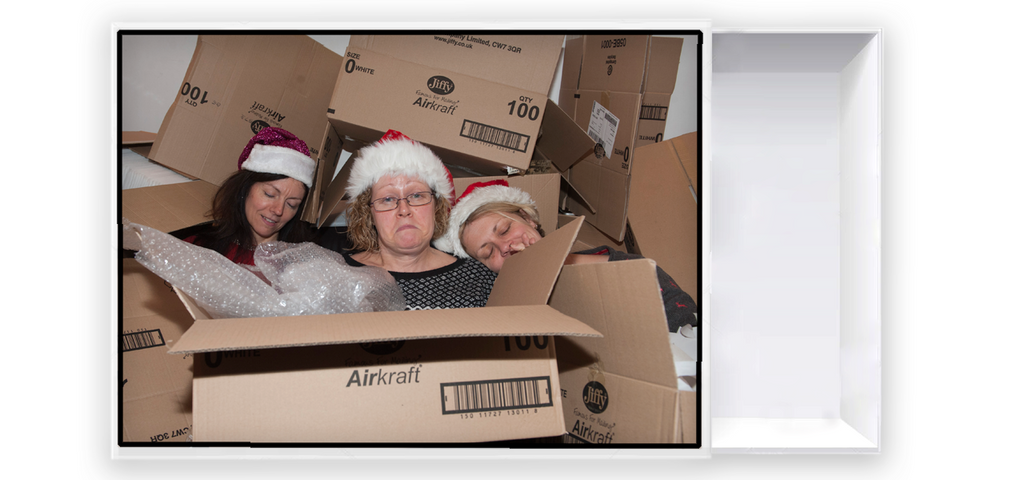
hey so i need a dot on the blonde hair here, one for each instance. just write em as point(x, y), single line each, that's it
point(504, 208)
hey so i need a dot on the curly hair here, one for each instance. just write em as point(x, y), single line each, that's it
point(228, 213)
point(363, 233)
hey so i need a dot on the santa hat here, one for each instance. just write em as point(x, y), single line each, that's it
point(477, 195)
point(396, 154)
point(276, 150)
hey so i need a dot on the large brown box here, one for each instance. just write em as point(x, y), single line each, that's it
point(236, 85)
point(632, 78)
point(478, 101)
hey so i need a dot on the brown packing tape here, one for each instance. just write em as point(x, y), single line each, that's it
point(596, 371)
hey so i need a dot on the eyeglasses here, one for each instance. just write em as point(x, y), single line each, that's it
point(387, 204)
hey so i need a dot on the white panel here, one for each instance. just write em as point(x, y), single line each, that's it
point(861, 244)
point(775, 246)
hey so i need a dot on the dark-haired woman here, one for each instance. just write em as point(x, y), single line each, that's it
point(259, 203)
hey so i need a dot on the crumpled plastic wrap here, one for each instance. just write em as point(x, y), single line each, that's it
point(301, 278)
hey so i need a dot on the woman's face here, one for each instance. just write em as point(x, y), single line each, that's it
point(406, 230)
point(495, 236)
point(271, 205)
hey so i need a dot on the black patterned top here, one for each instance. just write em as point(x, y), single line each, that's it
point(464, 284)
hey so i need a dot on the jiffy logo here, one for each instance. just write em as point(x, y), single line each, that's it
point(595, 397)
point(440, 85)
point(258, 125)
point(382, 348)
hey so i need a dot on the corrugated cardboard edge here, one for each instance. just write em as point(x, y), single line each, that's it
point(310, 330)
point(137, 138)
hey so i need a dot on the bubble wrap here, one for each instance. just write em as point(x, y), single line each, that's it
point(300, 278)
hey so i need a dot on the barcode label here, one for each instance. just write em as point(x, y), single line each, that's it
point(652, 112)
point(488, 395)
point(140, 340)
point(612, 120)
point(495, 136)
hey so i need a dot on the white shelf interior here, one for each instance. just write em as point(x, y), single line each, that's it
point(795, 252)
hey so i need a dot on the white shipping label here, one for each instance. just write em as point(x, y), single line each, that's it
point(602, 128)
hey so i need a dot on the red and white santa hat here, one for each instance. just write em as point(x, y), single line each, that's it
point(396, 154)
point(276, 150)
point(477, 195)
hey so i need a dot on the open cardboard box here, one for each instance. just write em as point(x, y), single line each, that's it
point(459, 375)
point(623, 387)
point(172, 207)
point(156, 388)
point(796, 327)
point(228, 94)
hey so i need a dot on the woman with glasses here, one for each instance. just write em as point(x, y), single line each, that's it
point(400, 196)
point(492, 221)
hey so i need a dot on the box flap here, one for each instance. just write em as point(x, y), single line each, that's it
point(663, 64)
point(521, 61)
point(527, 277)
point(327, 156)
point(666, 227)
point(622, 300)
point(572, 58)
point(333, 195)
point(168, 207)
point(685, 147)
point(228, 93)
point(309, 330)
point(137, 138)
point(574, 193)
point(562, 141)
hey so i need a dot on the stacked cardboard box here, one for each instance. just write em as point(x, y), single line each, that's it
point(618, 88)
point(308, 379)
point(477, 100)
point(235, 86)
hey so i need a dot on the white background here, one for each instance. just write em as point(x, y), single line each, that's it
point(951, 237)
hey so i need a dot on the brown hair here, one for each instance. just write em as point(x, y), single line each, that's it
point(228, 213)
point(363, 233)
point(503, 207)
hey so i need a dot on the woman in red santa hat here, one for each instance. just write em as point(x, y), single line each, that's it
point(492, 221)
point(400, 196)
point(260, 201)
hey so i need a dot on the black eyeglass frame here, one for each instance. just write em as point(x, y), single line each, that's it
point(430, 198)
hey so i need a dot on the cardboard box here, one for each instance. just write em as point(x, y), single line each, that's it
point(621, 97)
point(234, 86)
point(168, 207)
point(666, 227)
point(590, 237)
point(478, 108)
point(623, 387)
point(462, 375)
point(156, 388)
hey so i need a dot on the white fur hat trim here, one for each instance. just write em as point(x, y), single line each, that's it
point(468, 204)
point(282, 161)
point(399, 157)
